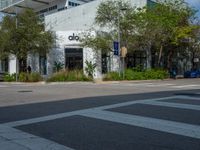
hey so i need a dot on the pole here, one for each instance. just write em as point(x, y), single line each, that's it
point(119, 40)
point(16, 21)
point(123, 68)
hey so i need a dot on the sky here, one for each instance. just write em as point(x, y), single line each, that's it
point(193, 3)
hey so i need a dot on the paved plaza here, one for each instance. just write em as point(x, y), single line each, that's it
point(146, 115)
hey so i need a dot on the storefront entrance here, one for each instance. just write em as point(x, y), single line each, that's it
point(4, 65)
point(23, 64)
point(74, 58)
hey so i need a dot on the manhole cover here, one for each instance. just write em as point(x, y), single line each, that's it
point(25, 91)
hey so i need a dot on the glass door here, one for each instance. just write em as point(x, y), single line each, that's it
point(74, 58)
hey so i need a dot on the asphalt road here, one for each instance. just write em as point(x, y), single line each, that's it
point(147, 115)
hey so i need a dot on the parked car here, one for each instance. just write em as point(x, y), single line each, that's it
point(192, 74)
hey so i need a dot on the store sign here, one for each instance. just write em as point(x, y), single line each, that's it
point(73, 37)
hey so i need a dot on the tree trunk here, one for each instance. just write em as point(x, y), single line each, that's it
point(192, 61)
point(160, 55)
point(169, 60)
point(17, 69)
point(149, 58)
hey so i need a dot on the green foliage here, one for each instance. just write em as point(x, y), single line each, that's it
point(156, 74)
point(65, 75)
point(34, 77)
point(29, 77)
point(112, 76)
point(102, 41)
point(138, 68)
point(23, 77)
point(131, 74)
point(27, 36)
point(9, 77)
point(58, 66)
point(90, 67)
point(160, 27)
point(134, 75)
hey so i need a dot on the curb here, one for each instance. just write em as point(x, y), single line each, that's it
point(89, 82)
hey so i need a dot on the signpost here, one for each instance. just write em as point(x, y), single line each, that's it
point(123, 55)
point(116, 48)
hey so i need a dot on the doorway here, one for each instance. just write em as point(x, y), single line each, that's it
point(73, 58)
point(22, 64)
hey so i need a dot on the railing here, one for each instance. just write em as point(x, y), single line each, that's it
point(6, 3)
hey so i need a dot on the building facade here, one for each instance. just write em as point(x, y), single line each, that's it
point(68, 19)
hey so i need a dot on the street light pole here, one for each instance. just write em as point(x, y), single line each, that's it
point(119, 37)
point(119, 41)
point(16, 24)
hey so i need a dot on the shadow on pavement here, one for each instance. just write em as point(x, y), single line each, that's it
point(27, 111)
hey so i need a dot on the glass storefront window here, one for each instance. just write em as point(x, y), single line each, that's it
point(135, 59)
point(43, 65)
point(74, 58)
point(4, 65)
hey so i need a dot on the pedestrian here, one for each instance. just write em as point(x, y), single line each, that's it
point(29, 69)
point(174, 72)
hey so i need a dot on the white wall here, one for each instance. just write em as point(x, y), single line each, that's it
point(62, 42)
point(12, 64)
point(80, 17)
point(76, 20)
point(33, 61)
point(65, 23)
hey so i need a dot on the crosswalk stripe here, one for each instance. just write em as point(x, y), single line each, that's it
point(174, 105)
point(147, 122)
point(25, 141)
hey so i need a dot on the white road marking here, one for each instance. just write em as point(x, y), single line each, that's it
point(174, 105)
point(25, 141)
point(189, 97)
point(78, 112)
point(186, 86)
point(147, 122)
point(145, 84)
point(3, 86)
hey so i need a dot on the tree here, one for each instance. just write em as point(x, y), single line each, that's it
point(24, 34)
point(108, 15)
point(163, 24)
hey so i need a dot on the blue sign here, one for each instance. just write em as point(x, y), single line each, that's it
point(116, 48)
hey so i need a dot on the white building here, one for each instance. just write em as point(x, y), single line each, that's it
point(67, 18)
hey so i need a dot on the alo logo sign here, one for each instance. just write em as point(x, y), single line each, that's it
point(73, 37)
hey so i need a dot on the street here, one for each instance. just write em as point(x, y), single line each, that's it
point(140, 115)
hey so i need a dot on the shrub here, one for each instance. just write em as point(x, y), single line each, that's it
point(90, 67)
point(29, 77)
point(58, 66)
point(138, 68)
point(23, 77)
point(34, 77)
point(65, 75)
point(112, 76)
point(10, 77)
point(135, 74)
point(156, 74)
point(131, 74)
